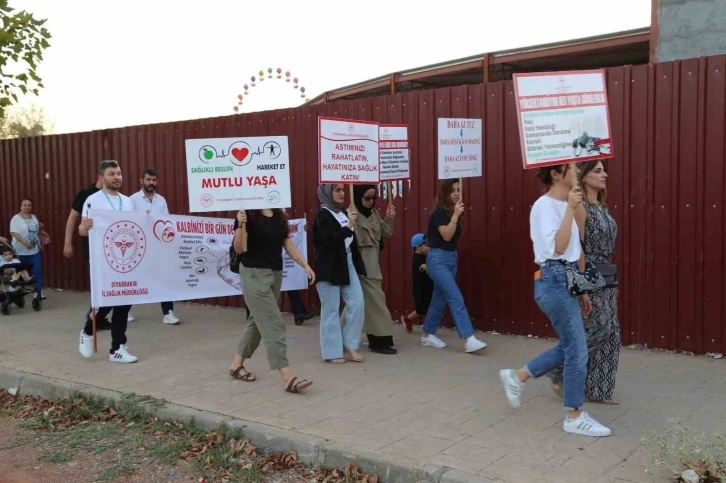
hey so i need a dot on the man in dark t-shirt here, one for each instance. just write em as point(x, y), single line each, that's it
point(102, 322)
point(74, 220)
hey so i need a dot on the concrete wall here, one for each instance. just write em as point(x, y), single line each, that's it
point(691, 28)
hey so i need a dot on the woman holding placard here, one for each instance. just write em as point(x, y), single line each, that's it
point(443, 238)
point(338, 264)
point(556, 242)
point(260, 238)
point(602, 329)
point(371, 232)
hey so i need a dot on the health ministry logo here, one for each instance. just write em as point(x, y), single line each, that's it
point(124, 246)
point(240, 153)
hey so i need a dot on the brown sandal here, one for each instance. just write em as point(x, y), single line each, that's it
point(246, 377)
point(295, 388)
point(336, 361)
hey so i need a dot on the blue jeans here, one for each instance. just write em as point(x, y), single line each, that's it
point(37, 270)
point(563, 310)
point(441, 268)
point(332, 337)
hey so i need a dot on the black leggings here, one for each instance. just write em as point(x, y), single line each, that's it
point(119, 321)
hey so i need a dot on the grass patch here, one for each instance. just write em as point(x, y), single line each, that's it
point(682, 448)
point(78, 425)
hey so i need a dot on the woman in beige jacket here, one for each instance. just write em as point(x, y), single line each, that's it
point(371, 231)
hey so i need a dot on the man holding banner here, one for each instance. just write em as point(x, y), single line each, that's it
point(108, 198)
point(148, 201)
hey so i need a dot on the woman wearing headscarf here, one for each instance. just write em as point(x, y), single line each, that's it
point(371, 231)
point(338, 264)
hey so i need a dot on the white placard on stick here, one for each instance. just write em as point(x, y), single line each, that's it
point(138, 258)
point(228, 174)
point(563, 117)
point(395, 163)
point(348, 151)
point(460, 148)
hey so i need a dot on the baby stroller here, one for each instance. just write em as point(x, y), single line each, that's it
point(14, 289)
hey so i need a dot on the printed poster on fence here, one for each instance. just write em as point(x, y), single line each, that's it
point(229, 174)
point(139, 259)
point(348, 151)
point(460, 148)
point(393, 151)
point(563, 117)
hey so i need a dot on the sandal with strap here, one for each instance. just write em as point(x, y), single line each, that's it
point(246, 377)
point(295, 387)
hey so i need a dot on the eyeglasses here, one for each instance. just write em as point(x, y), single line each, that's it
point(370, 198)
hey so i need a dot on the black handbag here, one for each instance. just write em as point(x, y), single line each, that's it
point(609, 271)
point(581, 283)
point(234, 259)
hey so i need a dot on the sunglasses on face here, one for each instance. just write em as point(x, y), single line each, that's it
point(370, 198)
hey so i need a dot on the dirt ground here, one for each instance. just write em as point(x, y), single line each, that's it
point(79, 440)
point(22, 461)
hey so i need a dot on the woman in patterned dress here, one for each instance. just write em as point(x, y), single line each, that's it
point(602, 328)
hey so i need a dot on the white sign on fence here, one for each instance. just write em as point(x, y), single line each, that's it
point(460, 148)
point(348, 151)
point(563, 117)
point(229, 174)
point(395, 156)
point(138, 258)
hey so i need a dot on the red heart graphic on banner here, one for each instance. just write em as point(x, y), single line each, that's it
point(240, 153)
point(164, 231)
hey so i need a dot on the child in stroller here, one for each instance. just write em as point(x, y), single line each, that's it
point(15, 282)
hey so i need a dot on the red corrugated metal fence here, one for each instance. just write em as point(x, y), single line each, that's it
point(666, 191)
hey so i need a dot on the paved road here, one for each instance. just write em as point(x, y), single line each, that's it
point(437, 406)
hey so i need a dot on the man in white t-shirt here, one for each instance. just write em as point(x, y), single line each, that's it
point(148, 201)
point(107, 198)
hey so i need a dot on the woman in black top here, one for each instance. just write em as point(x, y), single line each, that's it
point(338, 263)
point(443, 237)
point(261, 273)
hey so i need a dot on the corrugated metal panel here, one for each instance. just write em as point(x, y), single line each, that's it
point(667, 185)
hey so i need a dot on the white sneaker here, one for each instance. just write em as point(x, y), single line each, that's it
point(473, 344)
point(122, 355)
point(432, 341)
point(130, 318)
point(171, 319)
point(512, 387)
point(586, 426)
point(85, 346)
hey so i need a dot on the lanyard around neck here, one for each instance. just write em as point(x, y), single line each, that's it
point(120, 201)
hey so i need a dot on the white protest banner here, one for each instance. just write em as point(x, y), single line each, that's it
point(460, 148)
point(348, 151)
point(563, 117)
point(139, 259)
point(394, 153)
point(229, 174)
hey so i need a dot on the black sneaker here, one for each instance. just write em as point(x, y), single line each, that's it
point(302, 318)
point(389, 351)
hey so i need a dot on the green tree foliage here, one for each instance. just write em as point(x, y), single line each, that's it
point(22, 42)
point(25, 122)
